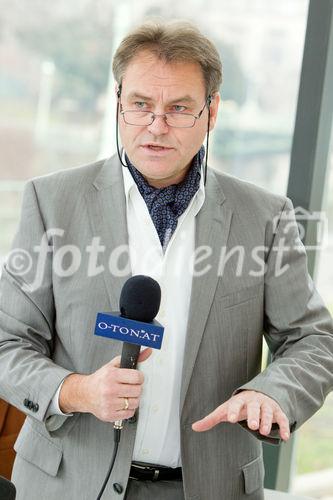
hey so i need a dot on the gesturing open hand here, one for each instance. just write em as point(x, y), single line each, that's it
point(260, 411)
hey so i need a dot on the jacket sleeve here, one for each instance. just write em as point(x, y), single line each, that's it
point(298, 330)
point(28, 377)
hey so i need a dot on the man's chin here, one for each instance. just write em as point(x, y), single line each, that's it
point(153, 168)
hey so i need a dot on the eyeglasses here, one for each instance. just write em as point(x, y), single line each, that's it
point(145, 118)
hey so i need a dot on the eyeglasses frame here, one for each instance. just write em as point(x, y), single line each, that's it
point(155, 115)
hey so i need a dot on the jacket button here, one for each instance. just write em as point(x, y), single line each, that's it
point(118, 488)
point(26, 402)
point(35, 407)
point(30, 405)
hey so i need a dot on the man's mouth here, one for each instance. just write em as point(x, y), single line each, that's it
point(156, 148)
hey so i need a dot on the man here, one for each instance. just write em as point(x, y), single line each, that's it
point(151, 212)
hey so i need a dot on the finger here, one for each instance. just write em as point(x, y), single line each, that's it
point(128, 391)
point(117, 415)
point(266, 419)
point(115, 362)
point(144, 354)
point(283, 423)
point(253, 414)
point(235, 407)
point(133, 403)
point(123, 414)
point(129, 376)
point(214, 418)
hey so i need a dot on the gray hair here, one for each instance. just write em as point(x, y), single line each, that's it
point(174, 41)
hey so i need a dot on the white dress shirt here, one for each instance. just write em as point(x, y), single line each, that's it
point(158, 427)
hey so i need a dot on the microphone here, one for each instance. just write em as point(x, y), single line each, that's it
point(139, 303)
point(7, 489)
point(140, 300)
point(135, 326)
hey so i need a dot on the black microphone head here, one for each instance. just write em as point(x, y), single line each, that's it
point(140, 298)
point(7, 489)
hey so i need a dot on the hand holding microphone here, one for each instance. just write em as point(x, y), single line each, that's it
point(103, 392)
point(107, 388)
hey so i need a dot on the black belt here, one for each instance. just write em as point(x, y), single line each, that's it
point(149, 472)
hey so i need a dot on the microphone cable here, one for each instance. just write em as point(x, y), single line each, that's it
point(116, 439)
point(209, 100)
point(117, 134)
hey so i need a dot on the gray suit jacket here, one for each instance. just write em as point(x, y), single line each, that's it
point(47, 333)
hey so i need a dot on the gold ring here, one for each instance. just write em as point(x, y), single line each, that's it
point(126, 404)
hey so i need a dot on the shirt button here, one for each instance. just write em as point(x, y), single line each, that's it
point(155, 408)
point(145, 451)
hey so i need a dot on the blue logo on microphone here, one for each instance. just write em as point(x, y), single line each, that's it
point(128, 330)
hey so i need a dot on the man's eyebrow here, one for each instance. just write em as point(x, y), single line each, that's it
point(185, 98)
point(135, 95)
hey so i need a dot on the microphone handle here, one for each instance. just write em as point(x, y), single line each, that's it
point(129, 355)
point(129, 359)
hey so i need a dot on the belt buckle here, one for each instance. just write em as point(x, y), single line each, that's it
point(135, 466)
point(143, 467)
point(148, 468)
point(156, 474)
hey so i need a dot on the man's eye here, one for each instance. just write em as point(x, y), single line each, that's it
point(179, 108)
point(140, 104)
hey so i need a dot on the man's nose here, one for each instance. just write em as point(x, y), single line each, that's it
point(159, 126)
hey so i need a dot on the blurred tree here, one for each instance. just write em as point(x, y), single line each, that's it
point(234, 86)
point(234, 83)
point(78, 37)
point(80, 46)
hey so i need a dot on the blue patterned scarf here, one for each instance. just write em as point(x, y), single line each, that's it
point(166, 204)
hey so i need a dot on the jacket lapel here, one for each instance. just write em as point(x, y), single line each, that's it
point(212, 230)
point(106, 206)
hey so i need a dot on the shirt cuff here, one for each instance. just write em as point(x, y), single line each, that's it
point(53, 408)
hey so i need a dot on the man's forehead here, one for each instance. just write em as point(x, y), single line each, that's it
point(149, 78)
point(146, 74)
point(145, 96)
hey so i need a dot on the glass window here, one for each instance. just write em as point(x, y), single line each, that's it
point(261, 45)
point(315, 438)
point(57, 97)
point(54, 74)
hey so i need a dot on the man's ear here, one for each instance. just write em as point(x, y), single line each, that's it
point(214, 106)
